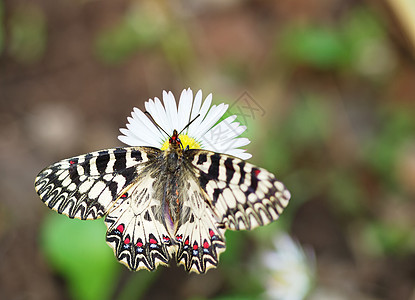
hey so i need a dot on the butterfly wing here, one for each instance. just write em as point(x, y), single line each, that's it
point(199, 239)
point(136, 230)
point(241, 195)
point(87, 186)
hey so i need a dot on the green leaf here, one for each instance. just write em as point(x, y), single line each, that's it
point(77, 250)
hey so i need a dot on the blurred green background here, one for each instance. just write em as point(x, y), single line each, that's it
point(326, 88)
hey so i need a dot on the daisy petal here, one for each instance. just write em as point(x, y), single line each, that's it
point(195, 111)
point(131, 139)
point(144, 121)
point(214, 115)
point(137, 127)
point(202, 112)
point(185, 105)
point(171, 109)
point(240, 153)
point(162, 116)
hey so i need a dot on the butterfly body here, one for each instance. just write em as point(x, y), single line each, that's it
point(170, 180)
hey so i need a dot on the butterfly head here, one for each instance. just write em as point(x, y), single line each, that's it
point(175, 141)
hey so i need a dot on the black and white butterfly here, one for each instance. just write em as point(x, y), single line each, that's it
point(160, 204)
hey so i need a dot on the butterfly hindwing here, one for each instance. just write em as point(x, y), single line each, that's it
point(86, 186)
point(135, 228)
point(242, 195)
point(199, 239)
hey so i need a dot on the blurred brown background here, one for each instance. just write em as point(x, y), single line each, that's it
point(335, 81)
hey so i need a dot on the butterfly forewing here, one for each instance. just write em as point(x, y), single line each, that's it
point(242, 195)
point(86, 186)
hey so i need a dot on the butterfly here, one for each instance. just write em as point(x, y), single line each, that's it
point(164, 204)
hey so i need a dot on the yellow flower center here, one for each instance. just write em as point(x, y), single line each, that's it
point(186, 141)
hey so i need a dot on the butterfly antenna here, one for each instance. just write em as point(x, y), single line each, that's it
point(155, 123)
point(188, 124)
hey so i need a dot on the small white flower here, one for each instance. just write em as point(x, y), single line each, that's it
point(202, 132)
point(290, 271)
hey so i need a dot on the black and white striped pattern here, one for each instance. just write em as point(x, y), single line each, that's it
point(135, 229)
point(243, 196)
point(163, 204)
point(86, 186)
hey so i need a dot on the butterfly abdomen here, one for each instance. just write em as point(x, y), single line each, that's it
point(170, 184)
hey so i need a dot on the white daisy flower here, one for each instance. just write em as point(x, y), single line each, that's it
point(202, 133)
point(290, 272)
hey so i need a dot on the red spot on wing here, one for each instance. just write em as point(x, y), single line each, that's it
point(120, 228)
point(127, 241)
point(139, 244)
point(211, 233)
point(195, 246)
point(153, 241)
point(205, 245)
point(256, 172)
point(124, 195)
point(71, 162)
point(186, 242)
